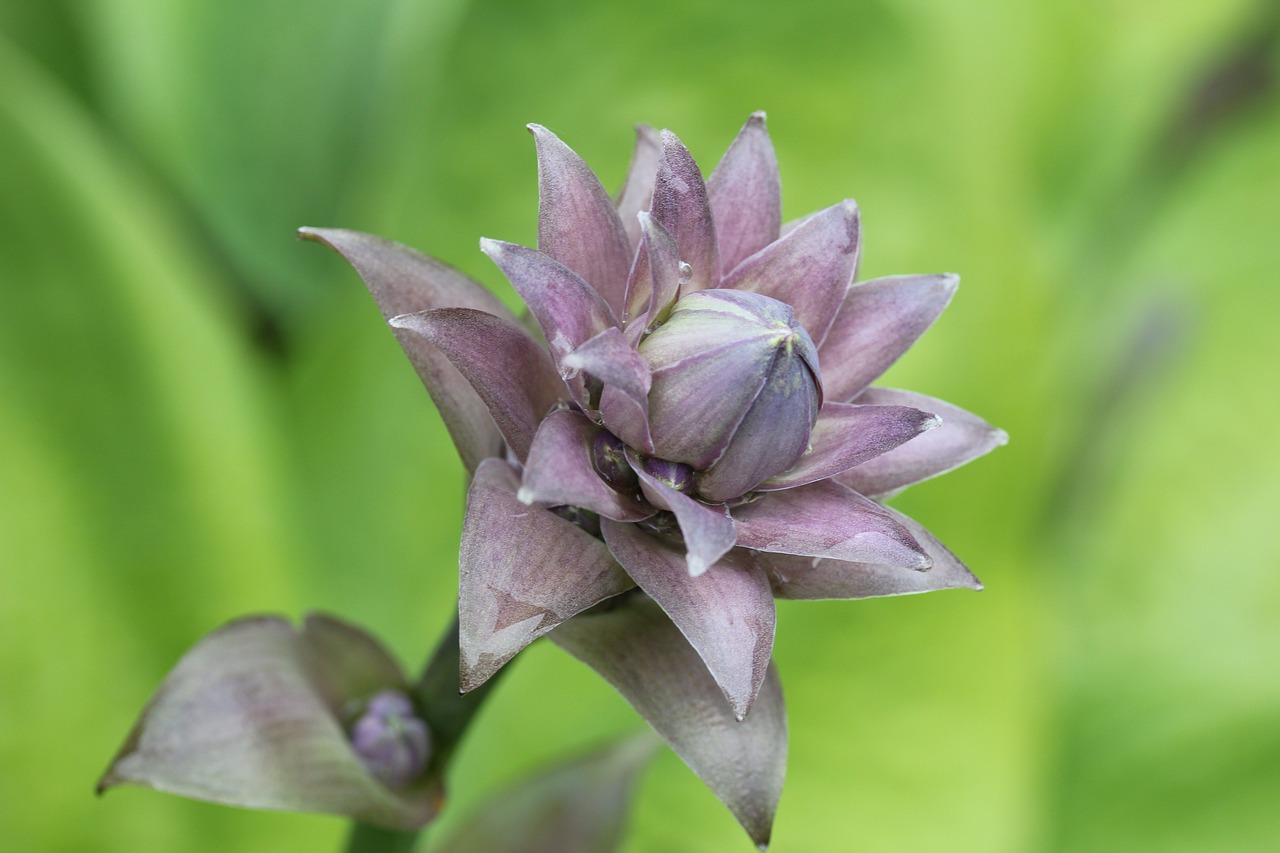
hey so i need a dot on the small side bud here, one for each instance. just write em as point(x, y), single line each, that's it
point(390, 739)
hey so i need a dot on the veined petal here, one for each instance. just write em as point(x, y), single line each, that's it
point(879, 321)
point(775, 432)
point(825, 519)
point(609, 358)
point(560, 471)
point(636, 648)
point(809, 269)
point(510, 371)
point(680, 205)
point(403, 281)
point(655, 279)
point(249, 717)
point(626, 417)
point(962, 438)
point(746, 195)
point(847, 435)
point(637, 190)
point(568, 309)
point(708, 531)
point(814, 578)
point(522, 571)
point(577, 222)
point(727, 613)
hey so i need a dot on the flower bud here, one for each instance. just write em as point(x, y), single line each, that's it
point(390, 740)
point(735, 389)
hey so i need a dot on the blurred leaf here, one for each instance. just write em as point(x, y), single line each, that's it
point(580, 805)
point(193, 86)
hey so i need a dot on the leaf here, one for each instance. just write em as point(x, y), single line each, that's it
point(580, 805)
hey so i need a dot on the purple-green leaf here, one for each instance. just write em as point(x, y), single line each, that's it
point(637, 649)
point(252, 716)
point(522, 571)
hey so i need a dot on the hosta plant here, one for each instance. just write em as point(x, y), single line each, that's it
point(683, 432)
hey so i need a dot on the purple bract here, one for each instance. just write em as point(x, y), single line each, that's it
point(698, 425)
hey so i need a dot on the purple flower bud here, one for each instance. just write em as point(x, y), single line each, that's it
point(610, 456)
point(393, 744)
point(735, 389)
point(674, 474)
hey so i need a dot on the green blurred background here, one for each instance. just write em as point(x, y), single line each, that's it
point(201, 417)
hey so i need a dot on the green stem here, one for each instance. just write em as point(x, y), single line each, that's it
point(448, 712)
point(374, 839)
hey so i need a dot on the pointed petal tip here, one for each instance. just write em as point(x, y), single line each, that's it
point(758, 117)
point(1000, 437)
point(697, 565)
point(525, 496)
point(931, 422)
point(401, 321)
point(493, 248)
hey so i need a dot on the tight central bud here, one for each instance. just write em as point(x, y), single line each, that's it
point(736, 389)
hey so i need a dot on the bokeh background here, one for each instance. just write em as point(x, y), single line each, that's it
point(201, 417)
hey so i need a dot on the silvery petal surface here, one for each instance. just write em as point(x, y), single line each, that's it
point(726, 613)
point(568, 309)
point(610, 358)
point(637, 190)
point(817, 578)
point(655, 279)
point(680, 204)
point(826, 519)
point(708, 531)
point(746, 195)
point(809, 269)
point(847, 435)
point(639, 651)
point(560, 471)
point(508, 369)
point(962, 438)
point(878, 321)
point(577, 222)
point(522, 571)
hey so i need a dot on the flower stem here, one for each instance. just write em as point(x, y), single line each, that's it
point(448, 713)
point(364, 838)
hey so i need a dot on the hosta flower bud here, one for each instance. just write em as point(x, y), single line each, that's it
point(391, 741)
point(735, 389)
